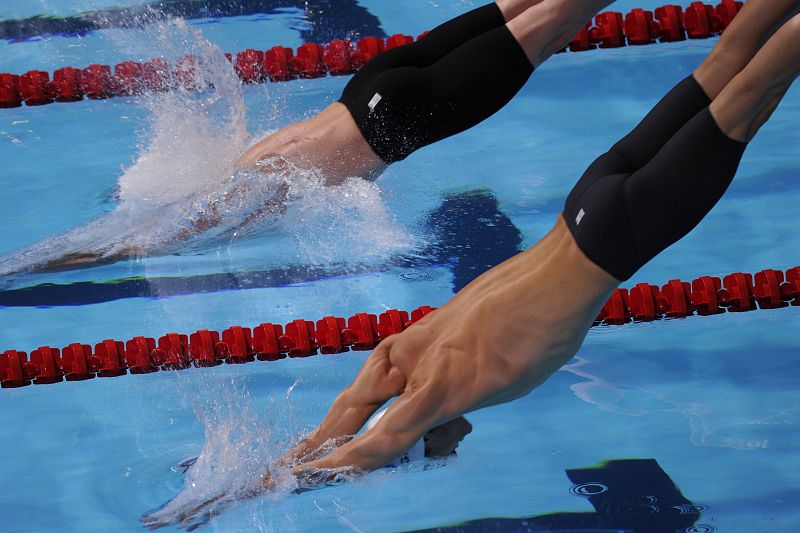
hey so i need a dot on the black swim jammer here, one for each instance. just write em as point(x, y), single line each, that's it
point(456, 76)
point(655, 185)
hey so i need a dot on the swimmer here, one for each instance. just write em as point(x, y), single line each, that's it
point(456, 76)
point(506, 332)
point(453, 78)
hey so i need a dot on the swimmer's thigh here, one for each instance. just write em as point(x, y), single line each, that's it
point(429, 49)
point(668, 116)
point(406, 108)
point(622, 221)
point(448, 36)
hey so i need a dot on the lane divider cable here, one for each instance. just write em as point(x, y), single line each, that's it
point(704, 296)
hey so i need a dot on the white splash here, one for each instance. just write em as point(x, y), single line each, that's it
point(237, 453)
point(183, 191)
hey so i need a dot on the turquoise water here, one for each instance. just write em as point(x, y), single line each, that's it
point(713, 400)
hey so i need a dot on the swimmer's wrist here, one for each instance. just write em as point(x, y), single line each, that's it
point(267, 482)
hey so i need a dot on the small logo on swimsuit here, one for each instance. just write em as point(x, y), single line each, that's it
point(374, 102)
point(578, 218)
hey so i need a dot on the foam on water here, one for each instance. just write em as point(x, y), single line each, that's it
point(183, 190)
point(239, 447)
point(241, 450)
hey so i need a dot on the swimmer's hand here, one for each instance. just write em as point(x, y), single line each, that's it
point(191, 515)
point(188, 519)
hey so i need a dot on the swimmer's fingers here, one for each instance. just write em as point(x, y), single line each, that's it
point(152, 522)
point(190, 518)
point(204, 519)
point(185, 518)
point(157, 518)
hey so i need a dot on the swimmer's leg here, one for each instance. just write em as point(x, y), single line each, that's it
point(622, 221)
point(547, 27)
point(449, 35)
point(740, 42)
point(407, 108)
point(513, 8)
point(748, 101)
point(436, 44)
point(748, 32)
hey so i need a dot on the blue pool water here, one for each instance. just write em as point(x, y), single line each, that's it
point(714, 401)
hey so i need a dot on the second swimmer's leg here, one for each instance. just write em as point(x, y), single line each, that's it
point(547, 27)
point(449, 35)
point(444, 38)
point(407, 108)
point(426, 51)
point(438, 42)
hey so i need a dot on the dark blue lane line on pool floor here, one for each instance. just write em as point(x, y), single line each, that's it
point(628, 495)
point(468, 235)
point(328, 19)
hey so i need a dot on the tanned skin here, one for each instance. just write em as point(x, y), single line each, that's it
point(330, 141)
point(510, 329)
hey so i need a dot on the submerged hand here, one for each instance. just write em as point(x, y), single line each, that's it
point(189, 519)
point(190, 515)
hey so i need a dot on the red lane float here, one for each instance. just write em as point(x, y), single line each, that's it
point(610, 29)
point(339, 58)
point(32, 88)
point(67, 85)
point(9, 91)
point(249, 66)
point(308, 61)
point(704, 296)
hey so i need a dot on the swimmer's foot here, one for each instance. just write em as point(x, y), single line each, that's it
point(512, 8)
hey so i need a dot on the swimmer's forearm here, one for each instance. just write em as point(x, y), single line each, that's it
point(344, 419)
